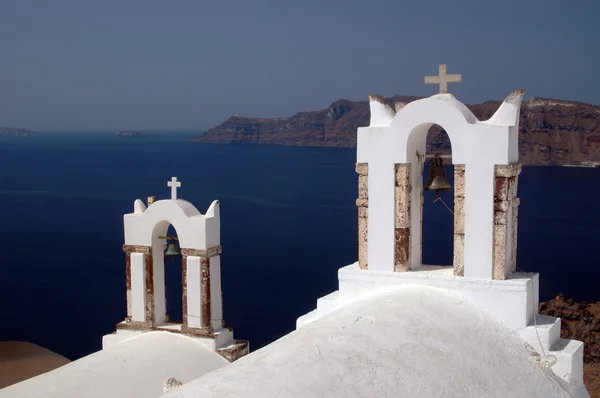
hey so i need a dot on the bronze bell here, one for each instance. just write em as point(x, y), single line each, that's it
point(172, 251)
point(437, 177)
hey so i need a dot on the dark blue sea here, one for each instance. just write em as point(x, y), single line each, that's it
point(288, 223)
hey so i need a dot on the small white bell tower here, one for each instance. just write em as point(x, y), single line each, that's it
point(199, 237)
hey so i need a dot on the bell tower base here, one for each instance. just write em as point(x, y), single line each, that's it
point(221, 340)
point(514, 301)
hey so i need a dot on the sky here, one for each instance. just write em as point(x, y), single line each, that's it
point(87, 65)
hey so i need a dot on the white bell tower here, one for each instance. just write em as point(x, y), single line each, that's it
point(390, 218)
point(199, 237)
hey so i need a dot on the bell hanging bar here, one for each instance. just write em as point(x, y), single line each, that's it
point(420, 156)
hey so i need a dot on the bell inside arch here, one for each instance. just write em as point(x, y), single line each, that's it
point(437, 177)
point(172, 250)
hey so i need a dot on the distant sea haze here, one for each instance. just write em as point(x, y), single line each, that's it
point(289, 222)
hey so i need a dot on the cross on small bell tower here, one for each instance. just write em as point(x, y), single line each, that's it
point(443, 79)
point(197, 241)
point(174, 184)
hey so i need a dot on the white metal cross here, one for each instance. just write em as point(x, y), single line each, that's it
point(174, 184)
point(443, 79)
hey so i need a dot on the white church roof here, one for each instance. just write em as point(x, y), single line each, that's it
point(409, 341)
point(135, 368)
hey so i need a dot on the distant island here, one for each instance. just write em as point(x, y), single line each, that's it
point(5, 131)
point(552, 132)
point(136, 134)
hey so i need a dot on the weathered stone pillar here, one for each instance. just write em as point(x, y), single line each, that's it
point(505, 220)
point(216, 293)
point(202, 296)
point(128, 283)
point(149, 272)
point(140, 286)
point(363, 213)
point(459, 220)
point(515, 223)
point(193, 292)
point(206, 296)
point(402, 252)
point(184, 295)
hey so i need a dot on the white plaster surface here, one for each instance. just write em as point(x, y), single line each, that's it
point(216, 296)
point(510, 300)
point(194, 291)
point(119, 336)
point(223, 337)
point(416, 215)
point(381, 113)
point(478, 145)
point(138, 287)
point(509, 239)
point(569, 361)
point(194, 230)
point(138, 206)
point(135, 368)
point(544, 334)
point(158, 269)
point(403, 341)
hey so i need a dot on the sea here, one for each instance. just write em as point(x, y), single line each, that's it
point(288, 223)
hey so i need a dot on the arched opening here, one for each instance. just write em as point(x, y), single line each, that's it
point(438, 211)
point(173, 281)
point(167, 276)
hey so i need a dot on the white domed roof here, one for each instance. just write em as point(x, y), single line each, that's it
point(405, 342)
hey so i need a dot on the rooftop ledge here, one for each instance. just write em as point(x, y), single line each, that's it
point(437, 272)
point(514, 300)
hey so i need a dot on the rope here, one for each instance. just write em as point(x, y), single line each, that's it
point(534, 320)
point(444, 203)
point(532, 298)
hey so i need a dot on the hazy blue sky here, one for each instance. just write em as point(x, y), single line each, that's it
point(98, 65)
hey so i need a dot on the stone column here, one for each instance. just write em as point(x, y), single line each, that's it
point(202, 310)
point(149, 271)
point(363, 213)
point(459, 220)
point(402, 252)
point(206, 296)
point(505, 220)
point(184, 295)
point(192, 291)
point(140, 286)
point(515, 222)
point(128, 282)
point(216, 297)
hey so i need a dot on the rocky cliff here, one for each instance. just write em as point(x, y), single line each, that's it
point(552, 132)
point(580, 321)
